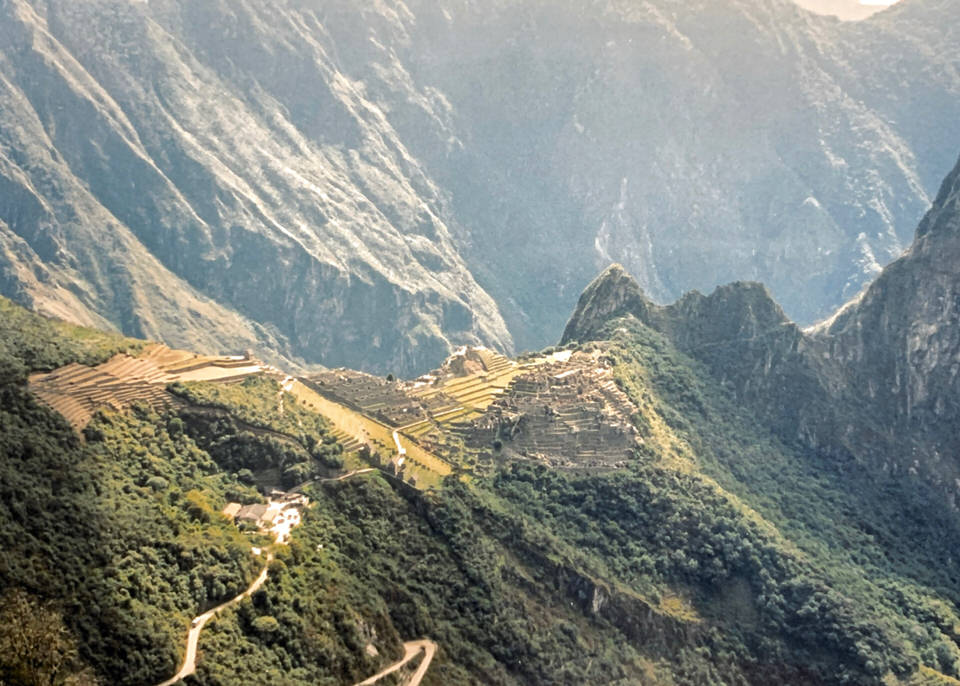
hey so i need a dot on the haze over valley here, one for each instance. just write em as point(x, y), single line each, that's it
point(373, 186)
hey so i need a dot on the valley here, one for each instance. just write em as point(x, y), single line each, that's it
point(266, 273)
point(609, 485)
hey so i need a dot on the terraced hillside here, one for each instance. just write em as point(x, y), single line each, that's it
point(77, 391)
point(379, 443)
point(418, 420)
point(480, 408)
point(567, 413)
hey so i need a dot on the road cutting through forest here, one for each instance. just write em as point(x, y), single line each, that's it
point(410, 650)
point(196, 626)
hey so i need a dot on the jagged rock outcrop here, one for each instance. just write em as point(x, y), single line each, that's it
point(899, 346)
point(879, 382)
point(612, 294)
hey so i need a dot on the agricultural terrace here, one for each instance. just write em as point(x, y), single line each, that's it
point(430, 424)
point(353, 429)
point(77, 391)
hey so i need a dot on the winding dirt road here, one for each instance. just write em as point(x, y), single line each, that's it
point(410, 650)
point(196, 626)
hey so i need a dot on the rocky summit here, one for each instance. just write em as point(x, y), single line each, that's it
point(371, 185)
point(876, 382)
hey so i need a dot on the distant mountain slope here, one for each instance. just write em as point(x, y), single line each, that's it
point(155, 152)
point(878, 382)
point(369, 184)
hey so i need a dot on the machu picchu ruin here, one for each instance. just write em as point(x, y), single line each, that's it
point(566, 413)
point(478, 408)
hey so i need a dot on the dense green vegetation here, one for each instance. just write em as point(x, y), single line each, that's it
point(31, 343)
point(670, 531)
point(415, 567)
point(121, 533)
point(110, 543)
point(881, 540)
point(721, 556)
point(257, 402)
point(248, 433)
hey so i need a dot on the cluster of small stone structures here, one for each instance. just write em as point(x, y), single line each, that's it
point(278, 515)
point(77, 391)
point(567, 414)
point(565, 409)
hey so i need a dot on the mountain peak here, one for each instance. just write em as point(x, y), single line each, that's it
point(945, 214)
point(613, 293)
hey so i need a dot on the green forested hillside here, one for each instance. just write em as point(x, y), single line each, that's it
point(883, 542)
point(116, 537)
point(718, 556)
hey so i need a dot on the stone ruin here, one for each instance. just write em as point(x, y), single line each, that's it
point(566, 414)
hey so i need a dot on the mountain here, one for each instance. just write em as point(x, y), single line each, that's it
point(687, 494)
point(188, 185)
point(369, 186)
point(707, 551)
point(899, 346)
point(877, 382)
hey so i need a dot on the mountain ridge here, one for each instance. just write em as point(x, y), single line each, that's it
point(265, 163)
point(887, 357)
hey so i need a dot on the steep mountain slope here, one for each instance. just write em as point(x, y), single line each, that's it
point(899, 346)
point(715, 555)
point(351, 184)
point(696, 143)
point(202, 168)
point(877, 382)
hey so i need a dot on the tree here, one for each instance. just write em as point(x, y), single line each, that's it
point(266, 625)
point(36, 649)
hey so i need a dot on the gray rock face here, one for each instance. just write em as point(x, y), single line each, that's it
point(878, 382)
point(365, 185)
point(899, 345)
point(204, 173)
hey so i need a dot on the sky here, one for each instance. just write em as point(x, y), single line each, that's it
point(846, 9)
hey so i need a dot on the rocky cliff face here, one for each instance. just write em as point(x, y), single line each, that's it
point(206, 171)
point(899, 345)
point(879, 382)
point(366, 185)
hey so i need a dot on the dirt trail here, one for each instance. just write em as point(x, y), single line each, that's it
point(196, 626)
point(285, 387)
point(410, 650)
